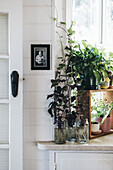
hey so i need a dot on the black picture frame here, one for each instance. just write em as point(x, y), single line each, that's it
point(40, 56)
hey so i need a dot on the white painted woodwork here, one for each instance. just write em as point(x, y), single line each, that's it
point(36, 133)
point(79, 161)
point(34, 32)
point(60, 4)
point(36, 100)
point(38, 3)
point(34, 14)
point(30, 148)
point(36, 164)
point(35, 116)
point(3, 33)
point(3, 56)
point(38, 28)
point(4, 101)
point(10, 107)
point(39, 84)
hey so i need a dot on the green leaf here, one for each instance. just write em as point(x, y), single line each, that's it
point(50, 112)
point(50, 95)
point(62, 65)
point(73, 98)
point(64, 88)
point(60, 57)
point(84, 44)
point(73, 22)
point(64, 23)
point(97, 75)
point(70, 31)
point(71, 41)
point(96, 51)
point(54, 19)
point(54, 82)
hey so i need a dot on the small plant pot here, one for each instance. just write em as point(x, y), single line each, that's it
point(105, 127)
point(95, 127)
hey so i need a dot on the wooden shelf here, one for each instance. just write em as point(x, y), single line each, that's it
point(101, 90)
point(107, 93)
point(101, 134)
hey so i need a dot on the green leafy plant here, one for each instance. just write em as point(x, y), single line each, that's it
point(87, 62)
point(77, 63)
point(102, 108)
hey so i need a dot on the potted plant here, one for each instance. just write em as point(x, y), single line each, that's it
point(102, 110)
point(77, 63)
point(64, 86)
point(90, 64)
point(95, 127)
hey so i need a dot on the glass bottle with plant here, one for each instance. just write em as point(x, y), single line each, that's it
point(77, 63)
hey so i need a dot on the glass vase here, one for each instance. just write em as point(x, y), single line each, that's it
point(71, 134)
point(60, 134)
point(82, 134)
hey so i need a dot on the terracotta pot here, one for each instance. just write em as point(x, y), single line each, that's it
point(99, 120)
point(105, 127)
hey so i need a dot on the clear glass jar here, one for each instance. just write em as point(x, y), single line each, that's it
point(82, 133)
point(60, 133)
point(71, 133)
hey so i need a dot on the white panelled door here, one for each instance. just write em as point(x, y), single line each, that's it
point(10, 107)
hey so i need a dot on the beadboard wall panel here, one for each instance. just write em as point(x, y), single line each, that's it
point(61, 4)
point(38, 28)
point(31, 148)
point(34, 32)
point(37, 14)
point(37, 133)
point(37, 83)
point(36, 99)
point(36, 165)
point(37, 2)
point(35, 116)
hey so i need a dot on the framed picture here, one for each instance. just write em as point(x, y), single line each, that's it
point(40, 57)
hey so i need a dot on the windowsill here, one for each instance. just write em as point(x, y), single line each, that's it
point(104, 143)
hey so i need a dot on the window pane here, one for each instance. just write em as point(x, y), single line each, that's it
point(4, 123)
point(85, 15)
point(109, 25)
point(4, 34)
point(4, 79)
point(4, 159)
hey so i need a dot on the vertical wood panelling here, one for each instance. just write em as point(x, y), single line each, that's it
point(38, 28)
point(85, 161)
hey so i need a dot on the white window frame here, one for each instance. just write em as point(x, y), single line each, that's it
point(102, 13)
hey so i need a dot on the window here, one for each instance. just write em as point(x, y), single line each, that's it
point(94, 21)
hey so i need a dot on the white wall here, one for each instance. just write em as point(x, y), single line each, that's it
point(38, 28)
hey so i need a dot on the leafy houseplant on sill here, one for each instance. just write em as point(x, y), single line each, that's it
point(75, 66)
point(102, 115)
point(63, 104)
point(90, 63)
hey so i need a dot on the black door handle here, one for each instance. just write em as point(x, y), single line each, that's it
point(14, 83)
